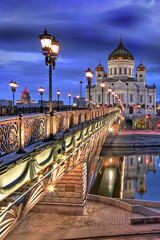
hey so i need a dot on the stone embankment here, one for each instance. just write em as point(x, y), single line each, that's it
point(133, 139)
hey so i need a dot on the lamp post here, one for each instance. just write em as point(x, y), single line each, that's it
point(81, 82)
point(41, 90)
point(77, 101)
point(102, 86)
point(109, 90)
point(89, 76)
point(116, 96)
point(113, 93)
point(13, 86)
point(86, 100)
point(69, 95)
point(50, 48)
point(58, 93)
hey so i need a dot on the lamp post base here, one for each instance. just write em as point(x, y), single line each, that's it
point(20, 151)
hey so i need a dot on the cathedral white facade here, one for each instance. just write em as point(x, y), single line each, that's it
point(136, 96)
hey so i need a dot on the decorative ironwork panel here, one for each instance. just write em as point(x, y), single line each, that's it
point(34, 130)
point(61, 122)
point(9, 135)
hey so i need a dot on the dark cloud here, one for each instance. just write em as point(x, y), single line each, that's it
point(126, 17)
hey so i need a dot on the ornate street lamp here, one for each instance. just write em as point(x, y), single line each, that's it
point(50, 48)
point(58, 93)
point(102, 86)
point(77, 101)
point(41, 90)
point(116, 96)
point(86, 100)
point(13, 86)
point(109, 90)
point(69, 95)
point(139, 108)
point(89, 76)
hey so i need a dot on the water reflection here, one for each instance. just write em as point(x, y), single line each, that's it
point(134, 176)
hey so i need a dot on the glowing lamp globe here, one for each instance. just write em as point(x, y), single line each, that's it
point(58, 92)
point(102, 84)
point(89, 74)
point(41, 90)
point(46, 40)
point(13, 86)
point(54, 47)
point(109, 90)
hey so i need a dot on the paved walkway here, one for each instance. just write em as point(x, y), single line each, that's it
point(99, 220)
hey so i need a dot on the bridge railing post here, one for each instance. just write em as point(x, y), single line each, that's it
point(54, 124)
point(67, 119)
point(48, 126)
point(21, 134)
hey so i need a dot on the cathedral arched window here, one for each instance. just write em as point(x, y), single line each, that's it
point(115, 72)
point(99, 75)
point(125, 70)
point(120, 71)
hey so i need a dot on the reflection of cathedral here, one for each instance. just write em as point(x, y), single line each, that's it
point(116, 176)
point(136, 167)
point(136, 96)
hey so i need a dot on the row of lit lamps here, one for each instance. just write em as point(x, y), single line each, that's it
point(50, 48)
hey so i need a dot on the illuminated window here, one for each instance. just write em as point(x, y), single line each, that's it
point(135, 124)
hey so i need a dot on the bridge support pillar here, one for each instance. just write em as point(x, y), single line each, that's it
point(69, 195)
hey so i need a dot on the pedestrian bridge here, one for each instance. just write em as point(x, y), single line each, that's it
point(39, 150)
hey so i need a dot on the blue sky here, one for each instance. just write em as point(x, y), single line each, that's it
point(87, 30)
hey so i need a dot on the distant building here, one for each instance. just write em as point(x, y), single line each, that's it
point(5, 102)
point(25, 98)
point(81, 102)
point(46, 103)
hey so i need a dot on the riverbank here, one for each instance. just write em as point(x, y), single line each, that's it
point(132, 139)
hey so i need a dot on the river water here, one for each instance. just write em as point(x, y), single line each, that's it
point(131, 174)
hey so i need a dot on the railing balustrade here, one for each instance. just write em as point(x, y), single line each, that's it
point(19, 132)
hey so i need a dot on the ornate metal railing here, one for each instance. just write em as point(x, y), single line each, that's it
point(19, 132)
point(36, 172)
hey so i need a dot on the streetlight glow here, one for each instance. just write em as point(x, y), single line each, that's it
point(89, 74)
point(58, 92)
point(102, 84)
point(109, 89)
point(41, 90)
